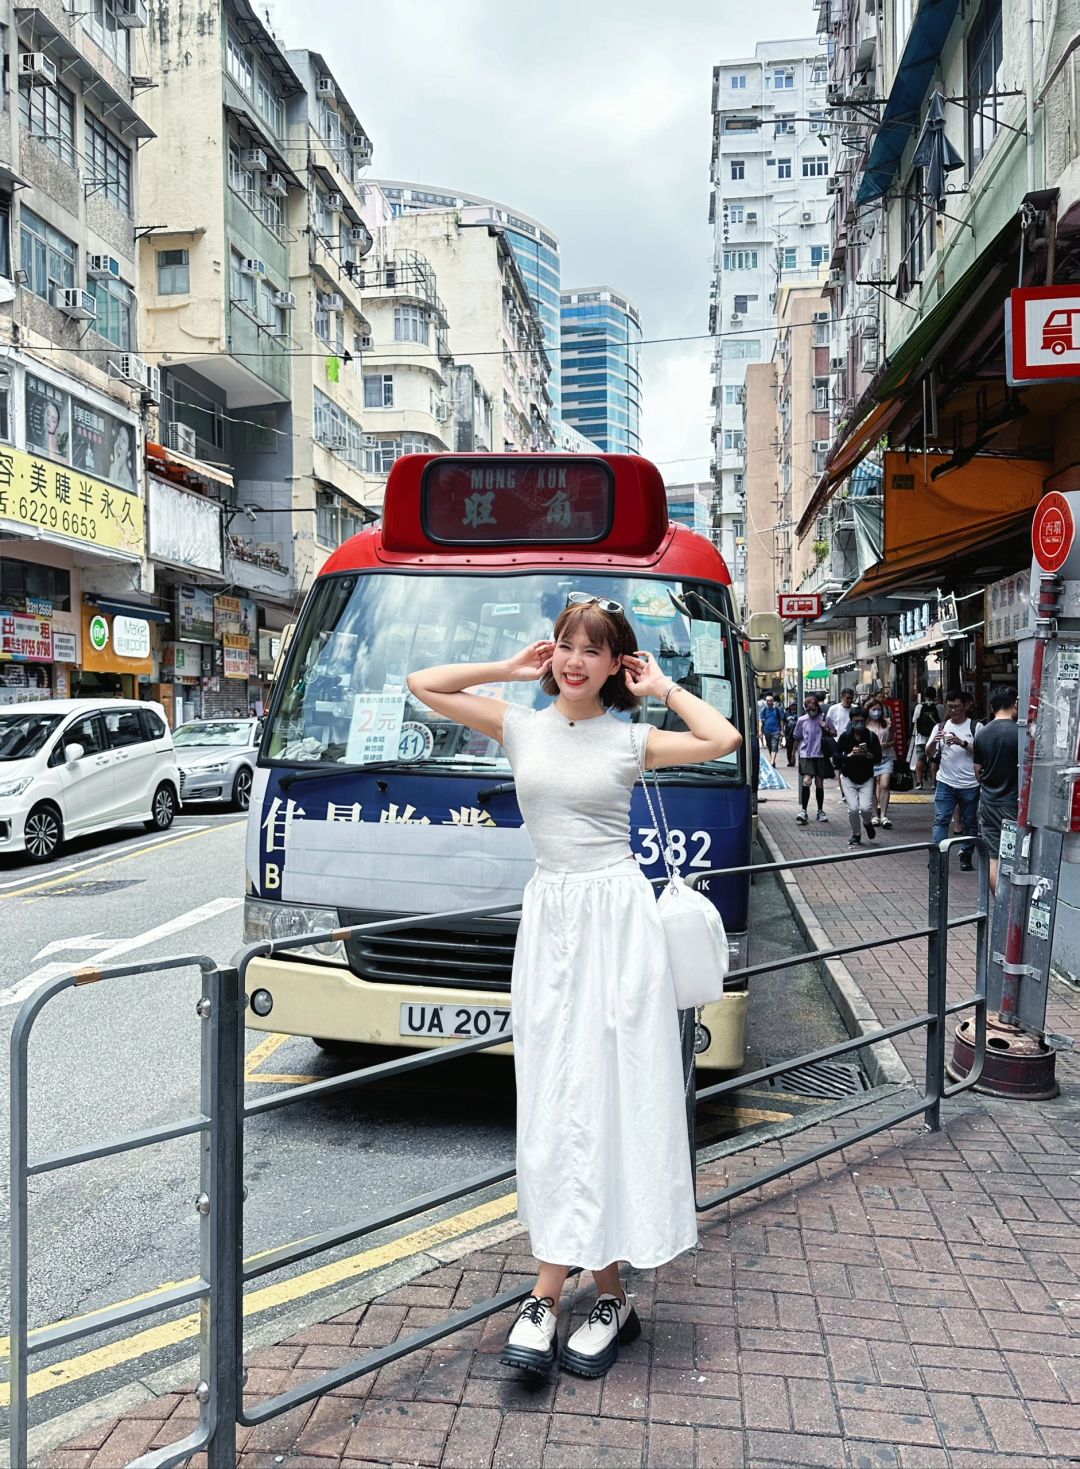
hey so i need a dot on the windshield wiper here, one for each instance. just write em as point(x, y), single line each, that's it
point(325, 773)
point(500, 790)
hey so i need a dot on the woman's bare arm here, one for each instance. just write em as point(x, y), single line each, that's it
point(442, 688)
point(711, 735)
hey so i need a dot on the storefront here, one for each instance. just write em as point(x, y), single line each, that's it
point(117, 649)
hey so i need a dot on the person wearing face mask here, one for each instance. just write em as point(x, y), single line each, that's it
point(858, 751)
point(879, 724)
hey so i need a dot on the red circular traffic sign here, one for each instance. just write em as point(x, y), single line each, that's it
point(1053, 531)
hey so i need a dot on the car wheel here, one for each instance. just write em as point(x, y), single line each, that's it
point(241, 791)
point(43, 833)
point(163, 809)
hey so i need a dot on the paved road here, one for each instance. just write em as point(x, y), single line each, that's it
point(116, 1057)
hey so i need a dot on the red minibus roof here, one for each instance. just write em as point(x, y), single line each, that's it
point(615, 502)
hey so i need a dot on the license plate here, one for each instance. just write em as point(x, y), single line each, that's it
point(455, 1022)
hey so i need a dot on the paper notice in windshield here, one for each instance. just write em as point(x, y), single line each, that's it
point(717, 692)
point(707, 649)
point(375, 728)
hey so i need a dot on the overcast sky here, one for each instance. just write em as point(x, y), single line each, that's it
point(590, 115)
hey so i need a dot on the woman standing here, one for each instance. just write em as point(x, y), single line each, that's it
point(602, 1158)
point(879, 724)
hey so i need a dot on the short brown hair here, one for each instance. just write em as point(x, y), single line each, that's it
point(605, 629)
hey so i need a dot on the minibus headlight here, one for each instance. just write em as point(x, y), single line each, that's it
point(263, 921)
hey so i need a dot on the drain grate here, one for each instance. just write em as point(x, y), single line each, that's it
point(822, 1079)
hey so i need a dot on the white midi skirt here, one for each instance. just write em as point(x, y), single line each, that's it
point(603, 1159)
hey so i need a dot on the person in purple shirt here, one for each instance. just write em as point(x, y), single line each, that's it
point(814, 765)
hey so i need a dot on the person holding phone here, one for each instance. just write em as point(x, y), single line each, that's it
point(957, 784)
point(858, 751)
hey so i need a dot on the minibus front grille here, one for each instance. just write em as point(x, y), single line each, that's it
point(476, 958)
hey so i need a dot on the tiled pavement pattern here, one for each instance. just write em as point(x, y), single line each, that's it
point(912, 1302)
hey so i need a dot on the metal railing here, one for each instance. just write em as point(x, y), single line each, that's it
point(220, 1285)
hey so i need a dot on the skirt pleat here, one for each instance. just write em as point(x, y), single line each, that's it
point(603, 1158)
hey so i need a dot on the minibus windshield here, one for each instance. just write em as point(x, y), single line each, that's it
point(344, 699)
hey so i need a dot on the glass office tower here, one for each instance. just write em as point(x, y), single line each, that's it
point(600, 332)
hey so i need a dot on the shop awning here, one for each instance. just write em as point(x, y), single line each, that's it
point(922, 53)
point(930, 523)
point(130, 609)
point(163, 460)
point(855, 447)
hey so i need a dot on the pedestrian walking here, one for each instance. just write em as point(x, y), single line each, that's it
point(924, 720)
point(603, 1167)
point(839, 716)
point(997, 767)
point(813, 737)
point(772, 727)
point(957, 784)
point(879, 724)
point(858, 751)
point(791, 719)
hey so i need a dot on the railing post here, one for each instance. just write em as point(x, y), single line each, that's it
point(937, 948)
point(688, 1025)
point(220, 1206)
point(19, 1081)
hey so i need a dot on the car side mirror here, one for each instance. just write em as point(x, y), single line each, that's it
point(73, 753)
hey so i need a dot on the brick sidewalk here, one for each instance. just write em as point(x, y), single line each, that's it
point(912, 1302)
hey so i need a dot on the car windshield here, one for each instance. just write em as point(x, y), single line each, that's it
point(238, 732)
point(22, 735)
point(344, 698)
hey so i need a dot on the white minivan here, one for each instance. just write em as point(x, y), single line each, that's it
point(73, 766)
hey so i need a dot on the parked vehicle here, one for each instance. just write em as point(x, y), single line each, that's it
point(73, 766)
point(216, 759)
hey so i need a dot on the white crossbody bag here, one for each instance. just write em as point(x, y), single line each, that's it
point(697, 942)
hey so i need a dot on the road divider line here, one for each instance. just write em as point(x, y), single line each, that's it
point(268, 1298)
point(98, 860)
point(128, 856)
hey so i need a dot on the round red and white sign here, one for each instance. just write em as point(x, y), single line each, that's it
point(1053, 531)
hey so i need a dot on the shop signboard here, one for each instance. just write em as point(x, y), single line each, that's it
point(235, 615)
point(26, 639)
point(800, 605)
point(269, 645)
point(917, 627)
point(71, 431)
point(131, 637)
point(195, 615)
point(1042, 334)
point(65, 647)
point(66, 504)
point(184, 528)
point(181, 662)
point(237, 655)
point(1053, 531)
point(1006, 606)
point(108, 649)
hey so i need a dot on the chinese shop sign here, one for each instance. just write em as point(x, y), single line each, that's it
point(67, 504)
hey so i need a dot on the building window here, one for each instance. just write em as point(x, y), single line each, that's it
point(115, 313)
point(324, 216)
point(47, 256)
point(984, 67)
point(739, 349)
point(819, 74)
point(738, 81)
point(819, 254)
point(740, 260)
point(815, 168)
point(782, 79)
point(5, 235)
point(785, 125)
point(821, 396)
point(736, 213)
point(410, 324)
point(789, 257)
point(783, 168)
point(48, 112)
point(738, 169)
point(742, 304)
point(109, 163)
point(238, 62)
point(241, 285)
point(270, 104)
point(101, 23)
point(731, 395)
point(379, 390)
point(173, 274)
point(915, 227)
point(733, 439)
point(821, 330)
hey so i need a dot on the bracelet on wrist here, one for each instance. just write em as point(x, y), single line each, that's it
point(671, 689)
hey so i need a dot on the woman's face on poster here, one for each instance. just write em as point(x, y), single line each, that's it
point(52, 418)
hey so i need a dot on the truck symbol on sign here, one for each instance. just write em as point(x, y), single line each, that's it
point(1060, 333)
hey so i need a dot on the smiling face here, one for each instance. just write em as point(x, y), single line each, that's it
point(581, 665)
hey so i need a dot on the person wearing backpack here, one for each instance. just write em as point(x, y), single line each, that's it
point(957, 783)
point(924, 721)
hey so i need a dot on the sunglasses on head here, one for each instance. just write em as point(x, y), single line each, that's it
point(583, 599)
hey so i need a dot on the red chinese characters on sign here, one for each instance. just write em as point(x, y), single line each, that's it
point(1053, 531)
point(800, 604)
point(26, 638)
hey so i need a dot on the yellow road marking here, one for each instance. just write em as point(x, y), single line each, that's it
point(753, 1114)
point(74, 877)
point(283, 1078)
point(263, 1051)
point(172, 1333)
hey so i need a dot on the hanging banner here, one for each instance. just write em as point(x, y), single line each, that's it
point(26, 639)
point(195, 615)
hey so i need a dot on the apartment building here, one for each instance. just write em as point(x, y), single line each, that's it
point(75, 399)
point(600, 333)
point(768, 208)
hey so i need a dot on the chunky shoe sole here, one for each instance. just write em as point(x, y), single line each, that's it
point(584, 1364)
point(529, 1359)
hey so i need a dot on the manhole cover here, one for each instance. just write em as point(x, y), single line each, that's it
point(93, 889)
point(822, 1079)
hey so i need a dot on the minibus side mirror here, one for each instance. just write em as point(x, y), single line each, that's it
point(73, 753)
point(765, 631)
point(283, 648)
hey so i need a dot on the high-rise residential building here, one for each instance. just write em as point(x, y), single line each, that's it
point(769, 209)
point(535, 248)
point(600, 335)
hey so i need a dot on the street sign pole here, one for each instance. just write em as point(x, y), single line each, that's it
point(798, 664)
point(799, 607)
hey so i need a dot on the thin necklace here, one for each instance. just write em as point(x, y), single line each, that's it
point(573, 722)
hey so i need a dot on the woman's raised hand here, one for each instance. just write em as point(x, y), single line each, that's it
point(531, 663)
point(643, 677)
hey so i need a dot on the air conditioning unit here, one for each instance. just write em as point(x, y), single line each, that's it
point(836, 279)
point(870, 356)
point(359, 234)
point(442, 412)
point(251, 266)
point(363, 151)
point(360, 140)
point(870, 327)
point(736, 319)
point(832, 184)
point(181, 439)
point(808, 216)
point(324, 86)
point(366, 342)
point(74, 303)
point(751, 216)
point(837, 364)
point(285, 299)
point(132, 14)
point(333, 304)
point(255, 160)
point(822, 316)
point(276, 183)
point(37, 68)
point(102, 268)
point(131, 368)
point(834, 94)
point(821, 446)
